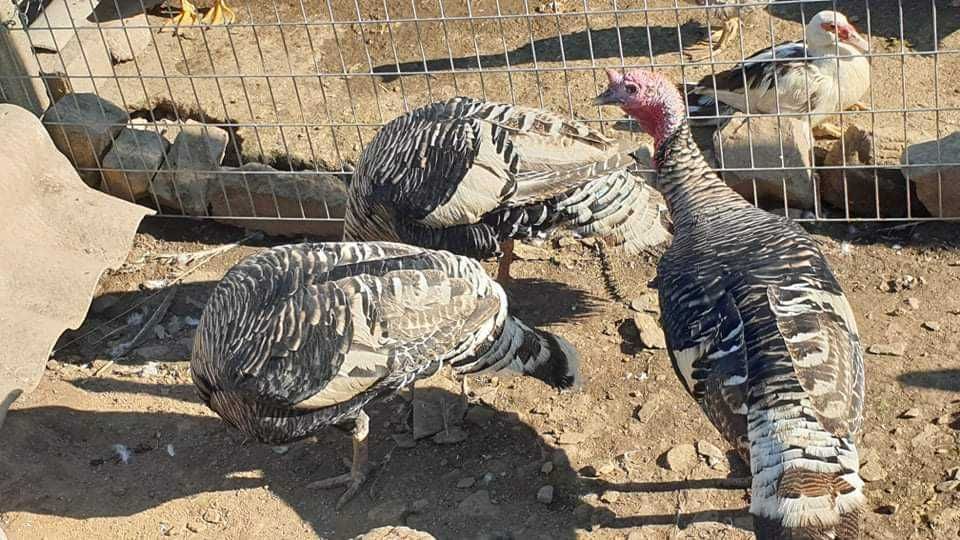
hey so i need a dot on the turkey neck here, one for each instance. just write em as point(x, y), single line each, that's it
point(692, 189)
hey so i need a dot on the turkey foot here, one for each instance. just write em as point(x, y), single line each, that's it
point(359, 468)
point(858, 106)
point(503, 271)
point(719, 40)
point(827, 130)
point(188, 15)
point(220, 13)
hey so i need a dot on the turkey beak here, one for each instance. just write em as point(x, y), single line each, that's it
point(608, 98)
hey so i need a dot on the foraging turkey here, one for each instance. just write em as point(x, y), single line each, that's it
point(729, 14)
point(470, 176)
point(305, 336)
point(828, 74)
point(758, 330)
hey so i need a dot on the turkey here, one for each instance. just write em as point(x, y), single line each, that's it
point(301, 337)
point(729, 14)
point(470, 176)
point(828, 74)
point(758, 330)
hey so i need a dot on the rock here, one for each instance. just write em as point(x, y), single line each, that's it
point(190, 168)
point(582, 513)
point(427, 419)
point(645, 412)
point(887, 509)
point(606, 469)
point(390, 511)
point(257, 190)
point(610, 497)
point(480, 415)
point(545, 494)
point(478, 505)
point(212, 516)
point(651, 335)
point(83, 127)
point(682, 458)
point(930, 177)
point(547, 467)
point(872, 472)
point(758, 148)
point(466, 482)
point(947, 486)
point(893, 349)
point(393, 532)
point(85, 65)
point(932, 326)
point(646, 303)
point(19, 85)
point(912, 303)
point(132, 162)
point(195, 527)
point(912, 412)
point(527, 252)
point(454, 435)
point(713, 455)
point(874, 158)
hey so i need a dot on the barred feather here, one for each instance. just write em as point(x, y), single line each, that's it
point(304, 336)
point(762, 336)
point(465, 175)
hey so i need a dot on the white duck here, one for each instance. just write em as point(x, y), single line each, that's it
point(827, 74)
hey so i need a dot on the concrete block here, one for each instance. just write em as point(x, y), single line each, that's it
point(756, 145)
point(84, 126)
point(132, 163)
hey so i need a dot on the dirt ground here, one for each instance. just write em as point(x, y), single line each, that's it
point(304, 84)
point(601, 449)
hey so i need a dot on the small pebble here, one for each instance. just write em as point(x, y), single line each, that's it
point(547, 467)
point(947, 486)
point(610, 497)
point(887, 509)
point(912, 412)
point(466, 482)
point(545, 494)
point(212, 515)
point(932, 326)
point(912, 303)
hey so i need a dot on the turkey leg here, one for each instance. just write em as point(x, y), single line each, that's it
point(503, 271)
point(720, 38)
point(359, 469)
point(188, 15)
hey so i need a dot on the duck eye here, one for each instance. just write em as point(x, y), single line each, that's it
point(631, 89)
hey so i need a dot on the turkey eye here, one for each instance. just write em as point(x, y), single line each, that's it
point(631, 89)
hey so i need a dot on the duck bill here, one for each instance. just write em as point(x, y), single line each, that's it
point(859, 42)
point(607, 98)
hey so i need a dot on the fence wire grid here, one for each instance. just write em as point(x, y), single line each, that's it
point(265, 117)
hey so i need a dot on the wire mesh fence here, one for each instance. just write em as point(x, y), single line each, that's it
point(263, 117)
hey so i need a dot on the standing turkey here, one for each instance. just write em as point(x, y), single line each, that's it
point(301, 337)
point(470, 176)
point(758, 330)
point(823, 75)
point(729, 14)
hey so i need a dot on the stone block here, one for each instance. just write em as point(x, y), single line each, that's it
point(132, 163)
point(191, 164)
point(83, 127)
point(756, 145)
point(937, 184)
point(874, 158)
point(257, 190)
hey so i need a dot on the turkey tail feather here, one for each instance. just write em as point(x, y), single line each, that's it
point(620, 209)
point(810, 493)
